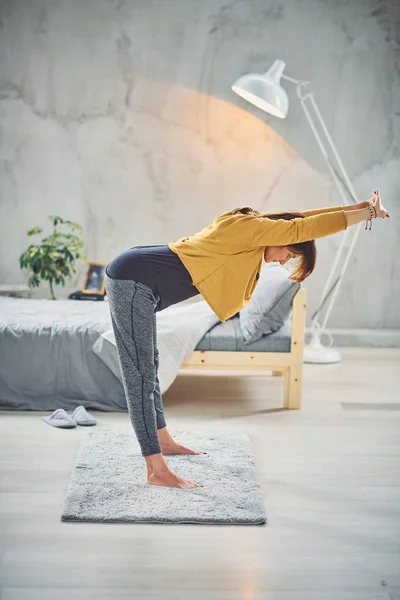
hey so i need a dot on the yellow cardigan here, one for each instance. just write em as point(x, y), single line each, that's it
point(225, 258)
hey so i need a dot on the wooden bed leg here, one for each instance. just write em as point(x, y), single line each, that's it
point(292, 383)
point(293, 375)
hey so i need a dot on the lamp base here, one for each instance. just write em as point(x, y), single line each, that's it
point(316, 353)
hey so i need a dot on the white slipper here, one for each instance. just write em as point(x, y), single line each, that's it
point(82, 417)
point(60, 418)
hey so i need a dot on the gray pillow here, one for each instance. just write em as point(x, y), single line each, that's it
point(270, 305)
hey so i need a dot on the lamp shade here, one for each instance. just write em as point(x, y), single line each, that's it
point(265, 91)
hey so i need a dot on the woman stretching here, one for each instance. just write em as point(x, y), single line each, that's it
point(222, 262)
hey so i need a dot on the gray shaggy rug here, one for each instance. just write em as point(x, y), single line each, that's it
point(108, 484)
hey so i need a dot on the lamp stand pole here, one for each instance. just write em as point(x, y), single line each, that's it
point(315, 352)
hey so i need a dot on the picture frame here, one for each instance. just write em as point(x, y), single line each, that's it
point(94, 281)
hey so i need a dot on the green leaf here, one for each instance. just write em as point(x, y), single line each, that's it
point(35, 230)
point(56, 220)
point(74, 226)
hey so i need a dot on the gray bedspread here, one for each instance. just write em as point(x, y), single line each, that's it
point(46, 360)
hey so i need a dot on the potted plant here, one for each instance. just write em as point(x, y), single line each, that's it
point(53, 259)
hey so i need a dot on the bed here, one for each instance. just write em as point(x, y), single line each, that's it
point(59, 354)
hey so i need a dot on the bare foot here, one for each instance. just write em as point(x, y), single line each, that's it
point(170, 479)
point(174, 448)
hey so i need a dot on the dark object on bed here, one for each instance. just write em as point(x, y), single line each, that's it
point(79, 295)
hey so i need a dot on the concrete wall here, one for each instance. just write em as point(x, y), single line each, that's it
point(119, 115)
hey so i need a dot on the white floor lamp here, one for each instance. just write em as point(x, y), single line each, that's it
point(265, 92)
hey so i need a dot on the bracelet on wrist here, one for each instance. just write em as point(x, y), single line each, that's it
point(372, 215)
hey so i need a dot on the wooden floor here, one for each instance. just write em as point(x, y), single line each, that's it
point(330, 476)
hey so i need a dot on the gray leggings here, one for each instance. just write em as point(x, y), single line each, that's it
point(132, 307)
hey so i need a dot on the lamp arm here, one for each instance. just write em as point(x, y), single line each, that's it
point(345, 183)
point(335, 176)
point(344, 267)
point(307, 95)
point(297, 81)
point(340, 188)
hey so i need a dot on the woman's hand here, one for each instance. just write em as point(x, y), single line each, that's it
point(375, 201)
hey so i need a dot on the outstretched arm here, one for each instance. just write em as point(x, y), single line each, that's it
point(320, 211)
point(270, 232)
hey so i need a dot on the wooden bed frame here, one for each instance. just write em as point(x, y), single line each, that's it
point(288, 364)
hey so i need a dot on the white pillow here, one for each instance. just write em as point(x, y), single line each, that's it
point(270, 305)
